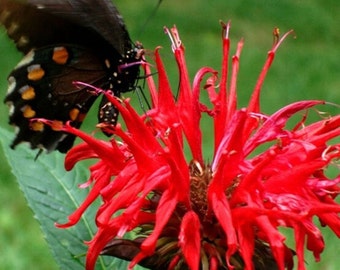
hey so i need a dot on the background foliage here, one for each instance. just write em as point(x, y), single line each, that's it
point(307, 67)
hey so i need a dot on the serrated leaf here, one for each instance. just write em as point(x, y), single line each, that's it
point(53, 194)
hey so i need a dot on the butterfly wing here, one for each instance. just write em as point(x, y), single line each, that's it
point(37, 23)
point(41, 87)
point(63, 41)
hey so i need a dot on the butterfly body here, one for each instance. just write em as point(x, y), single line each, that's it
point(65, 41)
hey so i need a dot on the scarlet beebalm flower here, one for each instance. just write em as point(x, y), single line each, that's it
point(186, 213)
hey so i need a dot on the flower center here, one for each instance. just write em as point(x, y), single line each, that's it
point(200, 177)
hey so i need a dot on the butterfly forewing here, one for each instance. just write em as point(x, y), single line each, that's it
point(42, 22)
point(64, 41)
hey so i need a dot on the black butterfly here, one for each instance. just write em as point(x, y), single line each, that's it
point(65, 41)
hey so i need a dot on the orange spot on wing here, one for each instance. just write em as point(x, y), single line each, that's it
point(74, 113)
point(60, 55)
point(37, 126)
point(28, 93)
point(35, 72)
point(28, 112)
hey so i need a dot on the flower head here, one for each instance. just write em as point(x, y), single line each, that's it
point(186, 213)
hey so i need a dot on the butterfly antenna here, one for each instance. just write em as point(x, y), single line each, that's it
point(152, 14)
point(142, 99)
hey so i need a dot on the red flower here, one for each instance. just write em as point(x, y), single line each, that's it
point(188, 213)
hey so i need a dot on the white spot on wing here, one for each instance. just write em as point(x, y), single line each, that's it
point(12, 28)
point(33, 67)
point(16, 130)
point(28, 58)
point(23, 41)
point(23, 89)
point(107, 63)
point(12, 83)
point(11, 108)
point(4, 15)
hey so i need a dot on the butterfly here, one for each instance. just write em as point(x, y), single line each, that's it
point(65, 41)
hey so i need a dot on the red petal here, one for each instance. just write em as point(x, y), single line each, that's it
point(190, 239)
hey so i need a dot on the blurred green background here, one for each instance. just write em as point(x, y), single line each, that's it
point(307, 67)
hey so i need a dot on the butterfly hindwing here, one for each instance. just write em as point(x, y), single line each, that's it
point(42, 86)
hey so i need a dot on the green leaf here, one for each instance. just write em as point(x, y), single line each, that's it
point(53, 194)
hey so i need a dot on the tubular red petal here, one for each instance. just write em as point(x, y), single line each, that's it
point(190, 239)
point(151, 84)
point(165, 100)
point(101, 182)
point(254, 104)
point(232, 99)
